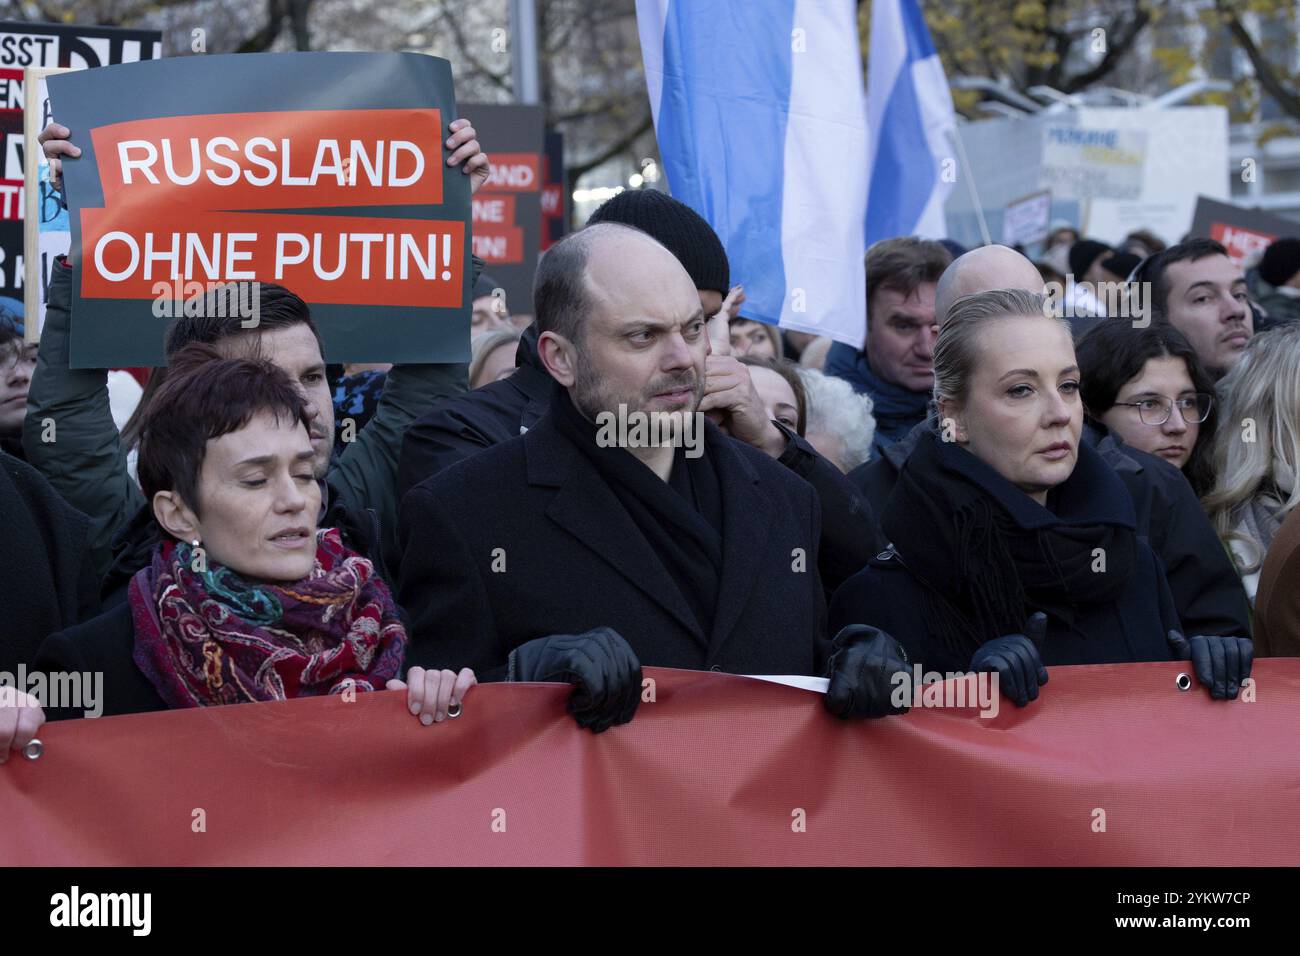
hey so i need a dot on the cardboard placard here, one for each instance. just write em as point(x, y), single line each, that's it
point(322, 172)
point(37, 49)
point(512, 136)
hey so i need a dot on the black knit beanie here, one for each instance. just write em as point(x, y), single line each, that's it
point(1281, 261)
point(678, 227)
point(1083, 254)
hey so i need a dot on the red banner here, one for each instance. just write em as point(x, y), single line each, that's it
point(1113, 765)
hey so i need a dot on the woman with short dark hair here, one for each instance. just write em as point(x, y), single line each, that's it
point(245, 599)
point(1013, 544)
point(1150, 390)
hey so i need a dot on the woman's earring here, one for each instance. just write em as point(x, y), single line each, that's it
point(199, 558)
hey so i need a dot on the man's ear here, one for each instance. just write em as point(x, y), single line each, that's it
point(559, 356)
point(176, 517)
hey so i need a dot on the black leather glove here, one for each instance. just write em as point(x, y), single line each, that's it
point(1221, 663)
point(600, 664)
point(1017, 660)
point(861, 669)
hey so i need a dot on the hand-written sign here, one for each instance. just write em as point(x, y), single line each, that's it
point(347, 203)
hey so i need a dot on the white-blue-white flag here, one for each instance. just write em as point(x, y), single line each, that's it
point(760, 115)
point(910, 118)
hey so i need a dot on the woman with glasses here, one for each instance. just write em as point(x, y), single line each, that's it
point(1256, 456)
point(1150, 390)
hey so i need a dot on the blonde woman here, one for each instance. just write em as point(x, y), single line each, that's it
point(1257, 453)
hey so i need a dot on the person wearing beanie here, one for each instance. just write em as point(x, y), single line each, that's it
point(1280, 268)
point(679, 229)
point(1119, 267)
point(467, 424)
point(488, 312)
point(1085, 260)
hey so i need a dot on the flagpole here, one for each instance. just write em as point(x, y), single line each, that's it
point(970, 185)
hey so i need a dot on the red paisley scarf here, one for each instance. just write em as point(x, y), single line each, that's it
point(206, 637)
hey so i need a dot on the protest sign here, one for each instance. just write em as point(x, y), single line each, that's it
point(1110, 170)
point(322, 172)
point(1025, 221)
point(45, 220)
point(1093, 162)
point(555, 197)
point(40, 48)
point(1243, 232)
point(508, 207)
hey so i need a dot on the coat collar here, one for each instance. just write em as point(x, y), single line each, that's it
point(586, 508)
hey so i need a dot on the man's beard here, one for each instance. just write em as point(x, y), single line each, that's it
point(592, 397)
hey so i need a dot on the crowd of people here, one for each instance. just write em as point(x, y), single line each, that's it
point(997, 480)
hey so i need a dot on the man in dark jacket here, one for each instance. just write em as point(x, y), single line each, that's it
point(464, 425)
point(70, 436)
point(895, 365)
point(576, 546)
point(49, 582)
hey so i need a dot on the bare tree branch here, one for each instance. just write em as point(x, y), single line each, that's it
point(501, 81)
point(263, 38)
point(622, 143)
point(1264, 71)
point(1115, 51)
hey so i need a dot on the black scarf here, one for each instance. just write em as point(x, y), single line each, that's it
point(990, 555)
point(681, 519)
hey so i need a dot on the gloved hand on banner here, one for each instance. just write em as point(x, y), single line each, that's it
point(861, 669)
point(1017, 660)
point(600, 664)
point(434, 695)
point(1222, 663)
point(21, 717)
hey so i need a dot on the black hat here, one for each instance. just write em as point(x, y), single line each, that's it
point(1121, 264)
point(1281, 261)
point(485, 285)
point(1084, 253)
point(680, 229)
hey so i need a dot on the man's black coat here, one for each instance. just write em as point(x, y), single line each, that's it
point(463, 425)
point(1206, 589)
point(49, 579)
point(526, 539)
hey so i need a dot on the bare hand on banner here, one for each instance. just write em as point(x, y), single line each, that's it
point(21, 717)
point(431, 695)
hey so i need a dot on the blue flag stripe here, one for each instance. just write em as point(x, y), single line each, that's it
point(737, 187)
